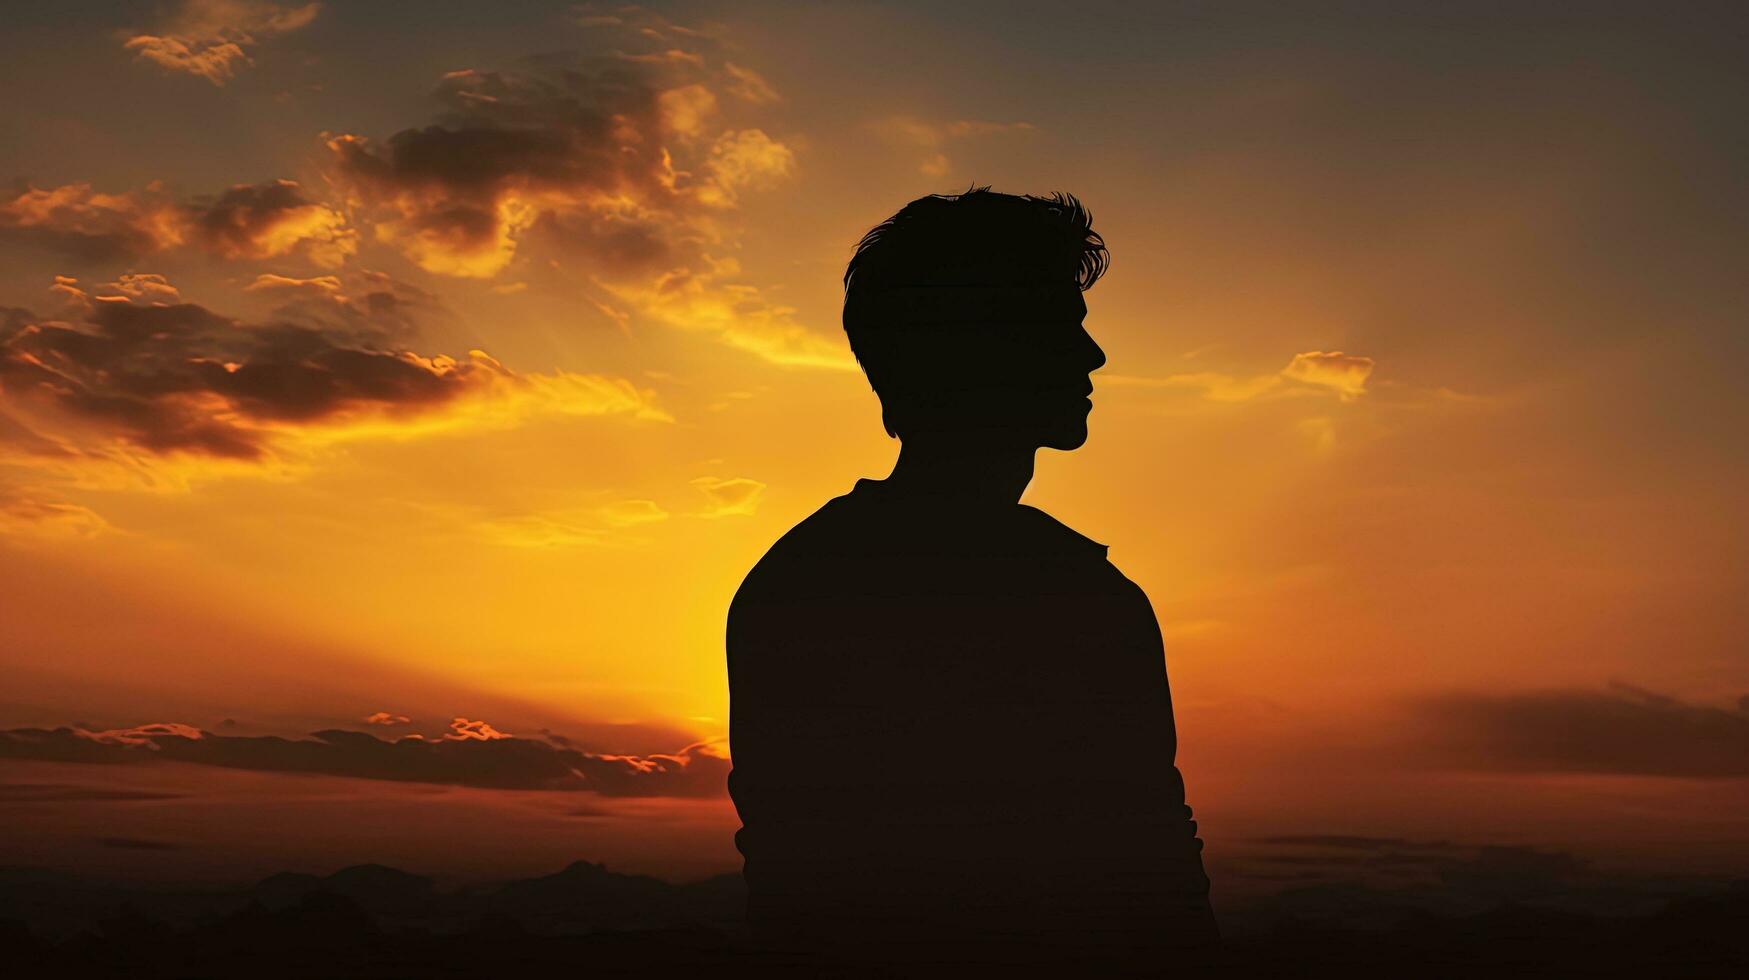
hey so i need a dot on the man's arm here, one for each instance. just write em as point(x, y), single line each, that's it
point(799, 735)
point(1190, 882)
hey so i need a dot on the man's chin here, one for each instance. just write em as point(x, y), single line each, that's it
point(1065, 438)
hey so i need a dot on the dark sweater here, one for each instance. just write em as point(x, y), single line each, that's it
point(952, 735)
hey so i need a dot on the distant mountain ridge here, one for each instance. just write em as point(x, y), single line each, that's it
point(371, 920)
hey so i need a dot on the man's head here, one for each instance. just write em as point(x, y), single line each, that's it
point(965, 312)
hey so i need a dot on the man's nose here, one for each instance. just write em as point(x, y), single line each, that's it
point(1094, 353)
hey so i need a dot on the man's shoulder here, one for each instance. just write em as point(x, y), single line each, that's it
point(841, 524)
point(866, 532)
point(827, 535)
point(1058, 536)
point(868, 524)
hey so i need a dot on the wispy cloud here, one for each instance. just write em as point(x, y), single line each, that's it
point(22, 515)
point(731, 496)
point(571, 527)
point(1619, 729)
point(932, 138)
point(211, 39)
point(1335, 372)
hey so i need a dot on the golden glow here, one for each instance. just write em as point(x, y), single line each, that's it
point(1398, 397)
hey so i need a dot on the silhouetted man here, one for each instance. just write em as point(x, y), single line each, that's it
point(952, 734)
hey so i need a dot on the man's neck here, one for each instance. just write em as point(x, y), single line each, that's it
point(966, 468)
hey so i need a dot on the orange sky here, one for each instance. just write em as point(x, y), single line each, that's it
point(462, 368)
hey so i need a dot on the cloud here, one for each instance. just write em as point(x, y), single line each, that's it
point(932, 137)
point(539, 531)
point(739, 315)
point(741, 159)
point(649, 34)
point(142, 287)
point(94, 226)
point(687, 110)
point(604, 153)
point(247, 221)
point(1621, 729)
point(1212, 385)
point(143, 735)
point(732, 496)
point(386, 719)
point(260, 221)
point(463, 730)
point(698, 770)
point(366, 308)
point(26, 516)
point(1345, 374)
point(749, 85)
point(470, 753)
point(629, 168)
point(578, 527)
point(628, 513)
point(177, 379)
point(210, 38)
point(317, 286)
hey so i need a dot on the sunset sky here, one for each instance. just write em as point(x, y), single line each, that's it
point(442, 368)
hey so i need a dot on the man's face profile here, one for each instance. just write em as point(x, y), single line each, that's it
point(989, 364)
point(1035, 388)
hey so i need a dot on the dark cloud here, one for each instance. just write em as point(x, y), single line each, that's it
point(621, 159)
point(183, 378)
point(257, 221)
point(471, 753)
point(179, 378)
point(698, 770)
point(510, 149)
point(1621, 729)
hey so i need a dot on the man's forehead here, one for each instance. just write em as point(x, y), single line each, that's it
point(967, 304)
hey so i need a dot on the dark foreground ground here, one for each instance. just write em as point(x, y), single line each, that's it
point(586, 921)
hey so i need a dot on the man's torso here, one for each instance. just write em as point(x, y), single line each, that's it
point(953, 716)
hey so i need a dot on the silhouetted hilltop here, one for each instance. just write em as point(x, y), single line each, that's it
point(376, 921)
point(1696, 937)
point(587, 896)
point(373, 886)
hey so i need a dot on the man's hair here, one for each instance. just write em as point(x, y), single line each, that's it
point(979, 238)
